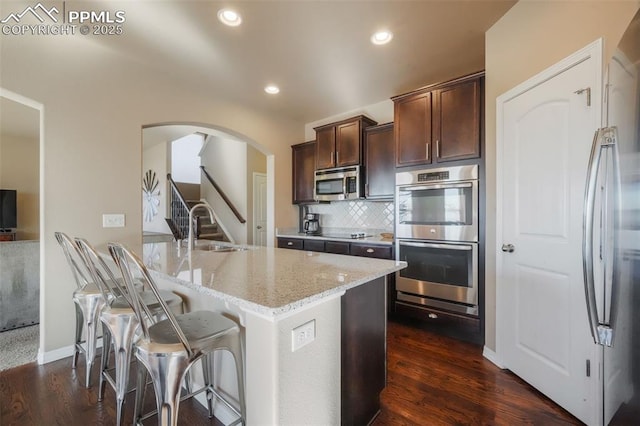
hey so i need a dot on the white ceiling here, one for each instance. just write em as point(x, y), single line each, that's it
point(318, 52)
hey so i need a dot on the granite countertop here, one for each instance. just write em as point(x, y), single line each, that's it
point(265, 280)
point(336, 235)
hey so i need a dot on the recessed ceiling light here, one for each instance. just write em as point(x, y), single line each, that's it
point(272, 89)
point(381, 37)
point(229, 17)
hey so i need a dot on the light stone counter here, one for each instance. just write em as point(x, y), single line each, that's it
point(272, 293)
point(267, 281)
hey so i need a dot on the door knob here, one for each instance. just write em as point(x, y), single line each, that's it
point(508, 248)
point(259, 227)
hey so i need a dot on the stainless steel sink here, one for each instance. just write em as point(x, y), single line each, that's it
point(219, 248)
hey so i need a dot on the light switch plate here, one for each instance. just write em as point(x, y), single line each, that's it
point(303, 335)
point(113, 220)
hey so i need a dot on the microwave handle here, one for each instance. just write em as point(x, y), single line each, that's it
point(437, 246)
point(437, 186)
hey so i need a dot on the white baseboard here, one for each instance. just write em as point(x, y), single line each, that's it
point(493, 357)
point(220, 411)
point(60, 353)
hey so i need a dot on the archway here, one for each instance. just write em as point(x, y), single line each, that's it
point(235, 177)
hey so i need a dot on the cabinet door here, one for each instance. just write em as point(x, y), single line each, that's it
point(337, 247)
point(348, 138)
point(363, 352)
point(366, 250)
point(456, 121)
point(413, 130)
point(303, 164)
point(325, 148)
point(314, 245)
point(380, 165)
point(290, 243)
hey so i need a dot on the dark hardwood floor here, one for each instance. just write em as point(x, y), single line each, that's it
point(436, 380)
point(432, 380)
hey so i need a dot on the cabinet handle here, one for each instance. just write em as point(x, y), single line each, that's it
point(332, 155)
point(337, 157)
point(366, 189)
point(438, 148)
point(370, 250)
point(290, 243)
point(428, 150)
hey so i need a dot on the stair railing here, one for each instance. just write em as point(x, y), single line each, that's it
point(223, 195)
point(179, 211)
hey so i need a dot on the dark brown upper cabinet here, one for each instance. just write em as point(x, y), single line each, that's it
point(379, 162)
point(303, 167)
point(439, 123)
point(340, 144)
point(412, 117)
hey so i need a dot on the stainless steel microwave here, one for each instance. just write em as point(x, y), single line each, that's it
point(342, 183)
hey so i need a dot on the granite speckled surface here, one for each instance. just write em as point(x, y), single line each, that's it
point(268, 281)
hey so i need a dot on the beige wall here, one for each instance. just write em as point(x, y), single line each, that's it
point(226, 162)
point(530, 37)
point(19, 170)
point(95, 103)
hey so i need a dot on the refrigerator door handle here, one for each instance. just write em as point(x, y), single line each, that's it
point(604, 139)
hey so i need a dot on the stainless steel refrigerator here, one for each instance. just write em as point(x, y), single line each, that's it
point(611, 245)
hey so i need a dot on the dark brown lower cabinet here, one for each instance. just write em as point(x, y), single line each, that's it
point(314, 245)
point(291, 243)
point(364, 352)
point(337, 247)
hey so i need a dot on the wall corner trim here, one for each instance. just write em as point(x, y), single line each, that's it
point(60, 353)
point(493, 357)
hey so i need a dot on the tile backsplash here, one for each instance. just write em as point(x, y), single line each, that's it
point(355, 214)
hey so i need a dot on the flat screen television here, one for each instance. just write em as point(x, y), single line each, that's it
point(8, 209)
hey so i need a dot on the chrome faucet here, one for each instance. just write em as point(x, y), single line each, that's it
point(203, 203)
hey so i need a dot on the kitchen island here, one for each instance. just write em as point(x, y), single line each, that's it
point(314, 326)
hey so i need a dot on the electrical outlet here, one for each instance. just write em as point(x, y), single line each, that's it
point(303, 335)
point(113, 220)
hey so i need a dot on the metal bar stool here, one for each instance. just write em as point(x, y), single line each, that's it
point(88, 302)
point(119, 321)
point(168, 348)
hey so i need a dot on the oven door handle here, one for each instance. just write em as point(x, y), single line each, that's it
point(437, 246)
point(438, 186)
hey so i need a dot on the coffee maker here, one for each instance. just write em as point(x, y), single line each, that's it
point(311, 224)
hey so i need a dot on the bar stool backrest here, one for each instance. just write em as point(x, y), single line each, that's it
point(74, 259)
point(102, 275)
point(131, 266)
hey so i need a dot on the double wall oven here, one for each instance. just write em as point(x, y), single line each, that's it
point(437, 235)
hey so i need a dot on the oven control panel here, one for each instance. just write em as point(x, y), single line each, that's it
point(442, 174)
point(431, 176)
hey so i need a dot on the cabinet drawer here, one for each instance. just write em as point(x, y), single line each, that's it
point(314, 245)
point(337, 247)
point(381, 252)
point(290, 243)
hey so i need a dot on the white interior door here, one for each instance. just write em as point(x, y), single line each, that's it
point(545, 130)
point(259, 209)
